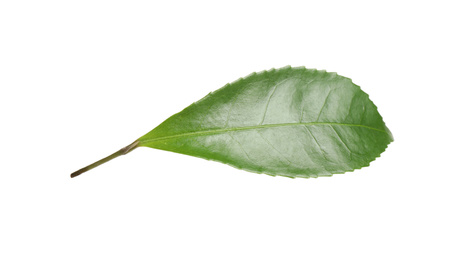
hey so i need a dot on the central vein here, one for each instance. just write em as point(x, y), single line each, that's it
point(246, 128)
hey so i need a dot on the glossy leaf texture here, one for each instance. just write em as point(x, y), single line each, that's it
point(292, 122)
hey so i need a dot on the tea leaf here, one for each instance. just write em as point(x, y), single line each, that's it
point(292, 122)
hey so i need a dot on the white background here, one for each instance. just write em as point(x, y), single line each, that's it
point(81, 79)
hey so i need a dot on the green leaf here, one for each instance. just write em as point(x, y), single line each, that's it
point(292, 122)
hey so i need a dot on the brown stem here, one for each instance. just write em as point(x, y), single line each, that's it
point(122, 151)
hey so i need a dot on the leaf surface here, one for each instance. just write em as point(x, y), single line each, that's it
point(292, 122)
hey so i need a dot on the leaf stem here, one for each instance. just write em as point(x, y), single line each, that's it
point(122, 151)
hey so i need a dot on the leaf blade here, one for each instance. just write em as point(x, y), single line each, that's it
point(248, 123)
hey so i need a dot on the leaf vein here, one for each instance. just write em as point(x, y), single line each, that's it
point(303, 105)
point(241, 147)
point(267, 105)
point(246, 128)
point(273, 147)
point(311, 158)
point(270, 97)
point(345, 145)
point(316, 141)
point(323, 105)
